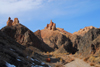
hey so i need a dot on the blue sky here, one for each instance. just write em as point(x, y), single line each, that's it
point(72, 15)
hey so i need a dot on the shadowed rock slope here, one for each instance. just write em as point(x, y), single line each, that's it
point(12, 54)
point(88, 45)
point(25, 37)
point(84, 43)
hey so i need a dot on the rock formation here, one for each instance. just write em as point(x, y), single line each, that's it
point(51, 26)
point(83, 31)
point(11, 23)
point(16, 21)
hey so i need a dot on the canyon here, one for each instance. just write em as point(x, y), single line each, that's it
point(51, 46)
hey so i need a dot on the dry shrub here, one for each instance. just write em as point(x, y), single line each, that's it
point(92, 64)
point(60, 59)
point(85, 59)
point(59, 65)
point(70, 54)
point(72, 59)
point(80, 58)
point(97, 66)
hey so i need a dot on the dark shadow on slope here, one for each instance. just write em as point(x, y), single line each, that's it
point(69, 46)
point(25, 37)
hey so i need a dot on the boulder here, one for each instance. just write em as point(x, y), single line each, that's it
point(48, 60)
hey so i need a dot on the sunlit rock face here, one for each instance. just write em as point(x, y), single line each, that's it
point(51, 26)
point(16, 21)
point(81, 32)
point(11, 22)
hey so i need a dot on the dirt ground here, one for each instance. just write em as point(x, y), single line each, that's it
point(78, 63)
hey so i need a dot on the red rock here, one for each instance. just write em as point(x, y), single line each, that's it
point(51, 23)
point(16, 21)
point(9, 22)
point(48, 60)
point(51, 26)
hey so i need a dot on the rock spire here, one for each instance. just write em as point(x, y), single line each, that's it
point(51, 26)
point(11, 22)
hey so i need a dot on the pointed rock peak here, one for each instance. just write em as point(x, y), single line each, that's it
point(51, 21)
point(16, 21)
point(9, 22)
point(51, 26)
point(9, 18)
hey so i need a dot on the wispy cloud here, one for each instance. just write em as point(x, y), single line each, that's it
point(48, 8)
point(16, 6)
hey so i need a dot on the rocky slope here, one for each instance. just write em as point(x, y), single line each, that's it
point(25, 37)
point(12, 54)
point(84, 43)
point(88, 45)
point(56, 38)
point(81, 32)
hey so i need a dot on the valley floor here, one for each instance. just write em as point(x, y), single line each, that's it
point(67, 61)
point(78, 63)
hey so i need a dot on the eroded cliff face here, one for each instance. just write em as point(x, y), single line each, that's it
point(81, 32)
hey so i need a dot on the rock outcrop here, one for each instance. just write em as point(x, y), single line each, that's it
point(51, 26)
point(16, 21)
point(85, 42)
point(83, 31)
point(11, 23)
